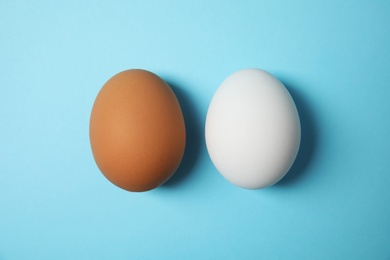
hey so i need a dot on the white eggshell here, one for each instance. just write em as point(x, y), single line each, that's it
point(252, 129)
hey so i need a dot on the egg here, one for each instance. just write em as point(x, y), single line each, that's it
point(137, 130)
point(252, 129)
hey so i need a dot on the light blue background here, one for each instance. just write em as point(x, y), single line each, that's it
point(334, 57)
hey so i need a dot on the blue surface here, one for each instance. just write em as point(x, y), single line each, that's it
point(334, 57)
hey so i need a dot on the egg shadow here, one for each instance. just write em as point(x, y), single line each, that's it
point(309, 138)
point(194, 136)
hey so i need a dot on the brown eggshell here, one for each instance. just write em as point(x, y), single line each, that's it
point(137, 130)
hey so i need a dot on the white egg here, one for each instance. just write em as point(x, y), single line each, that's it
point(252, 129)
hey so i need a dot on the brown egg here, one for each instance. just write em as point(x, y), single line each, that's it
point(137, 130)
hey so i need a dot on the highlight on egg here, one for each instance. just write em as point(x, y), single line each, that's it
point(137, 130)
point(252, 129)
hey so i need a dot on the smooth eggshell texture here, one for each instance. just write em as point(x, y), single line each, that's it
point(137, 130)
point(252, 129)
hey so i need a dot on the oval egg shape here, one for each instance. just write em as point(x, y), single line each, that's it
point(252, 129)
point(137, 130)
